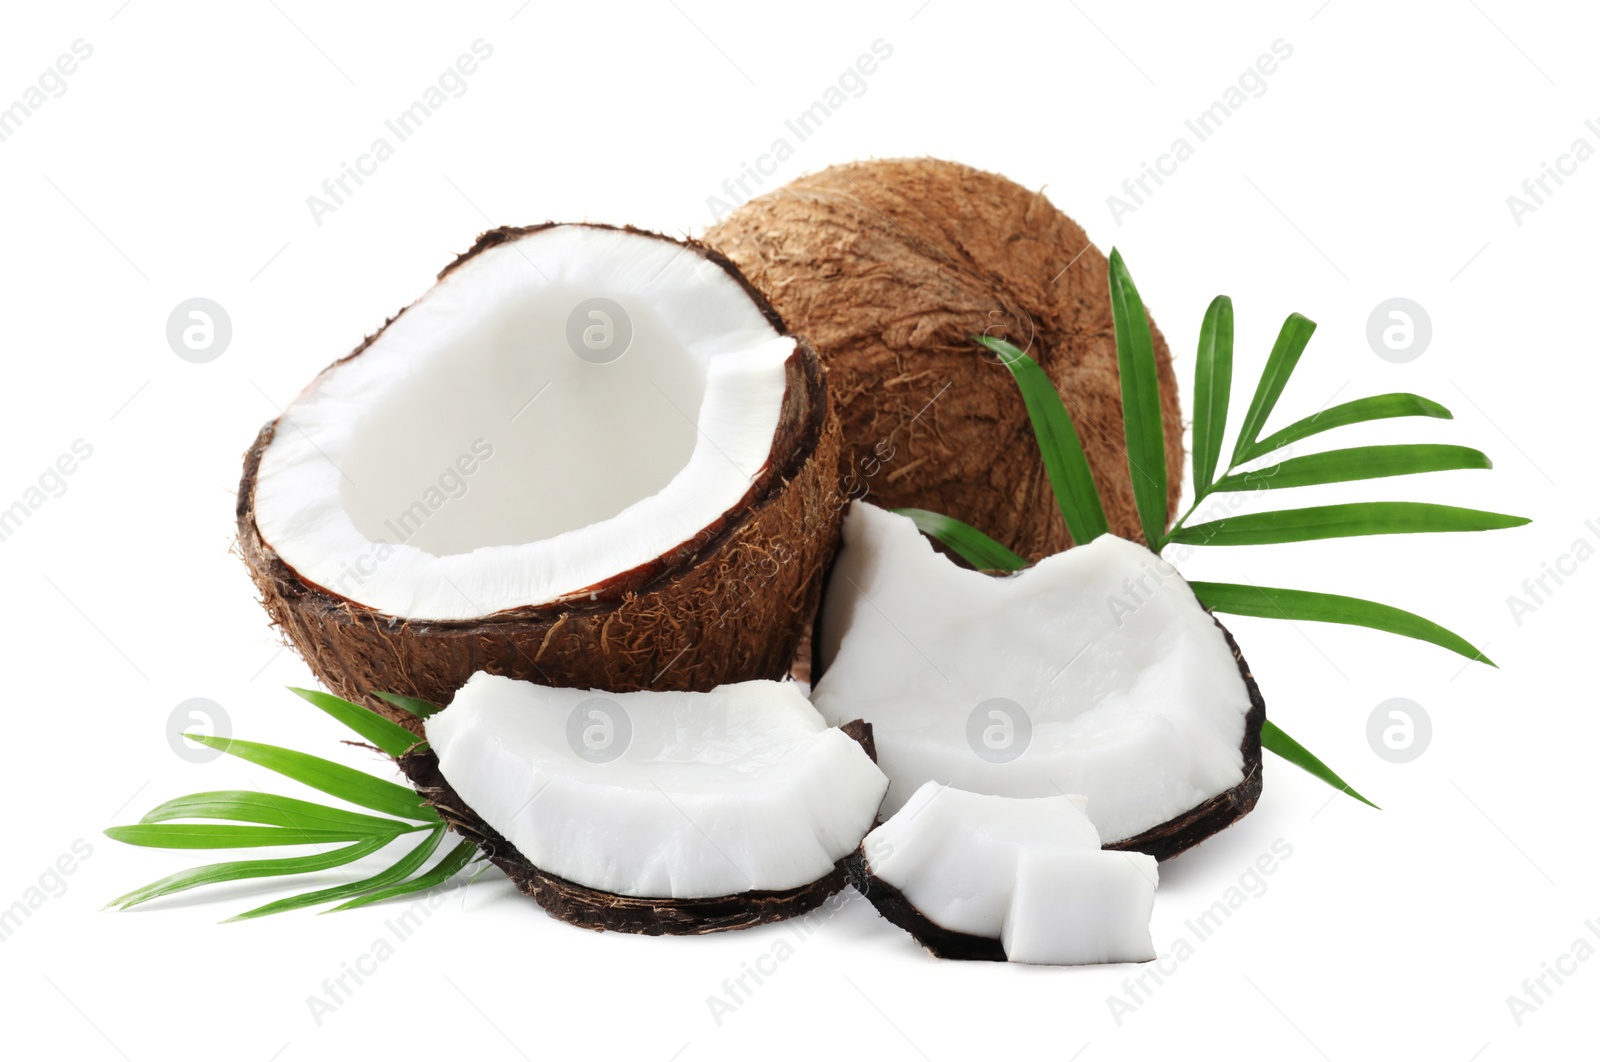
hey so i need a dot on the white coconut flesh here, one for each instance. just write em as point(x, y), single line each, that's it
point(660, 794)
point(1095, 671)
point(1028, 871)
point(474, 458)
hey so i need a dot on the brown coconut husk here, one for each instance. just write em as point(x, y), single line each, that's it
point(731, 604)
point(891, 266)
point(594, 909)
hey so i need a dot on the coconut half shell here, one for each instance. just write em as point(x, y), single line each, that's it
point(1095, 671)
point(729, 604)
point(590, 908)
point(891, 267)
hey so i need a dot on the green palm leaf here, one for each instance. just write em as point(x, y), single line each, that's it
point(1276, 741)
point(404, 868)
point(443, 871)
point(332, 778)
point(254, 868)
point(392, 738)
point(205, 835)
point(415, 705)
point(972, 545)
point(269, 809)
point(1213, 385)
point(1059, 445)
point(1271, 602)
point(1141, 402)
point(1292, 340)
point(1359, 411)
point(1357, 462)
point(1341, 521)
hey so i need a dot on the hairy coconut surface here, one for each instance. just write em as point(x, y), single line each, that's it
point(595, 909)
point(891, 266)
point(730, 604)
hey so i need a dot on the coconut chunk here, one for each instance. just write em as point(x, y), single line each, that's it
point(974, 876)
point(1076, 908)
point(1096, 671)
point(660, 794)
point(953, 854)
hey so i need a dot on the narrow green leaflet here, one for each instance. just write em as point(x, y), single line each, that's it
point(1341, 521)
point(1271, 602)
point(269, 809)
point(1275, 740)
point(407, 865)
point(415, 705)
point(1213, 385)
point(1141, 402)
point(1292, 340)
point(390, 737)
point(973, 546)
point(443, 871)
point(1359, 411)
point(1059, 445)
point(254, 868)
point(1357, 462)
point(205, 835)
point(332, 778)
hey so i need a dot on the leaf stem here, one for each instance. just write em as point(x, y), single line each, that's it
point(1200, 497)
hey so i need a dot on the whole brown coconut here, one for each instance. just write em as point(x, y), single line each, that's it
point(730, 604)
point(891, 267)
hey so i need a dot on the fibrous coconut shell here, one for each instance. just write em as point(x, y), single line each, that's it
point(891, 267)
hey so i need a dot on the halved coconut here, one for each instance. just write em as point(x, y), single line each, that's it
point(1096, 671)
point(653, 812)
point(971, 876)
point(588, 456)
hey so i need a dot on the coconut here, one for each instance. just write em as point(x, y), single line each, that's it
point(971, 876)
point(1095, 671)
point(653, 812)
point(589, 456)
point(891, 267)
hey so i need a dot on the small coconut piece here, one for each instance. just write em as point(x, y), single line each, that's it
point(1077, 908)
point(891, 267)
point(973, 876)
point(589, 456)
point(654, 812)
point(1095, 671)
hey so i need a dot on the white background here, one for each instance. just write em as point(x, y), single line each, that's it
point(1376, 164)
